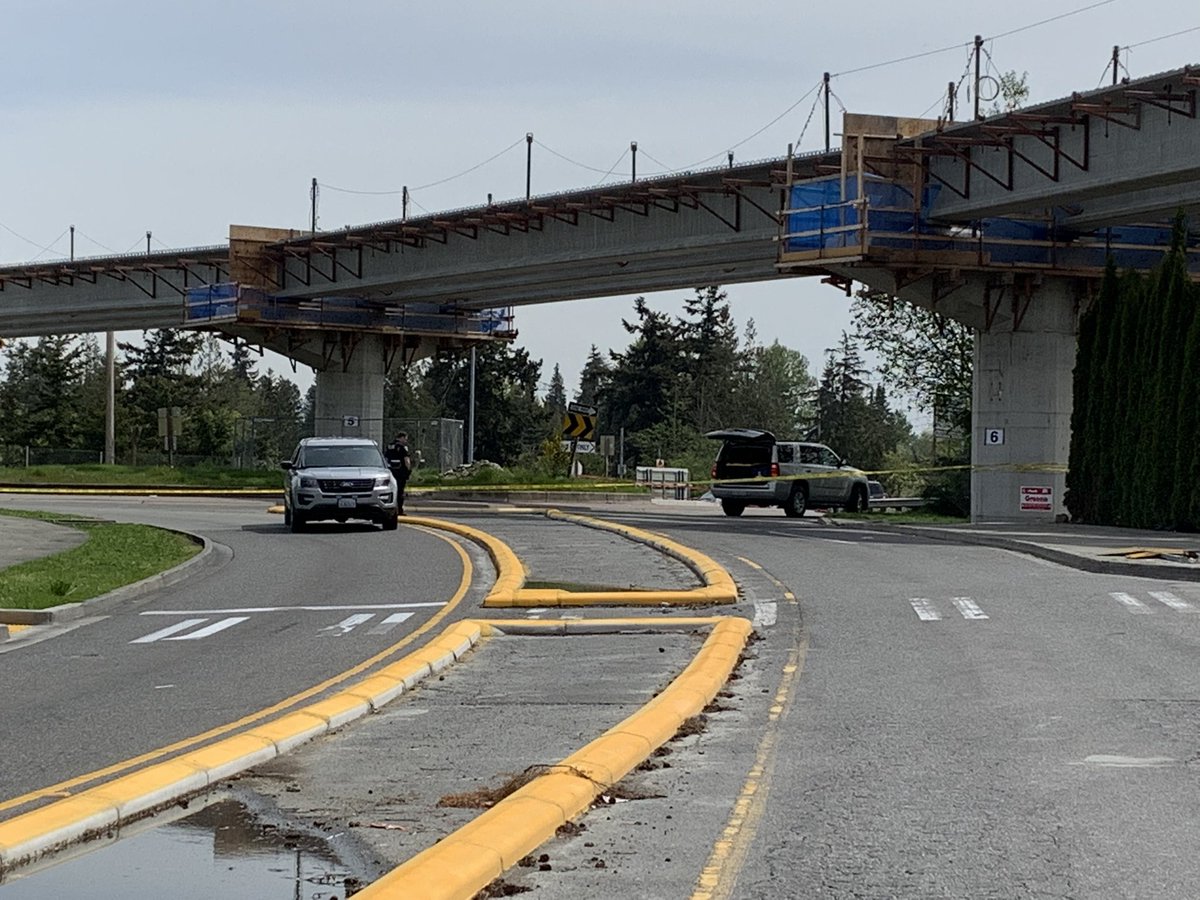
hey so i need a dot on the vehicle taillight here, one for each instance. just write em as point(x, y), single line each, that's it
point(774, 470)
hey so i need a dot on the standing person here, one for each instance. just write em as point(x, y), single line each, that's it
point(399, 460)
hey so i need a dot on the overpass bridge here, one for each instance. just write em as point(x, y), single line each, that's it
point(1003, 223)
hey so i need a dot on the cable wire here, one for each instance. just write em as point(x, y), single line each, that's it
point(50, 246)
point(17, 234)
point(1161, 38)
point(422, 187)
point(94, 241)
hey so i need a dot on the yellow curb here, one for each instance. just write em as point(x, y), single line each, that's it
point(465, 861)
point(110, 804)
point(510, 574)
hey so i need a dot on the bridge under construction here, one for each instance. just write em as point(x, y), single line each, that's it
point(1004, 223)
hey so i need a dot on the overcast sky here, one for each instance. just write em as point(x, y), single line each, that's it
point(183, 117)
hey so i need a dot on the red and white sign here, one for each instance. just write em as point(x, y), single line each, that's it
point(1037, 499)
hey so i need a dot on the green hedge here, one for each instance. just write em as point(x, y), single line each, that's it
point(1135, 453)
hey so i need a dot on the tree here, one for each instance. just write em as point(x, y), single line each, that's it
point(593, 379)
point(42, 397)
point(774, 389)
point(923, 355)
point(158, 375)
point(556, 396)
point(648, 383)
point(710, 345)
point(509, 420)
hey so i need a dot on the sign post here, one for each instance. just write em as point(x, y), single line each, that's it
point(579, 423)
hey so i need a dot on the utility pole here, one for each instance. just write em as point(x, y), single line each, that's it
point(528, 164)
point(313, 197)
point(1116, 63)
point(147, 243)
point(978, 72)
point(826, 93)
point(404, 204)
point(633, 150)
point(950, 97)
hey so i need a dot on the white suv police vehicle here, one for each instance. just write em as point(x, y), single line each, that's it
point(340, 479)
point(754, 469)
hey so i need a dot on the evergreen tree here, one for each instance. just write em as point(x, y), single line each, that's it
point(710, 344)
point(648, 384)
point(556, 396)
point(41, 399)
point(593, 379)
point(158, 375)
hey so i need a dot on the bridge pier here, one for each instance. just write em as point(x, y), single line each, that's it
point(349, 395)
point(1021, 411)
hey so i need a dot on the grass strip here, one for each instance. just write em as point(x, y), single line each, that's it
point(114, 555)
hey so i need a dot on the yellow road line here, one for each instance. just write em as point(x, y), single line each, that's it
point(719, 877)
point(64, 787)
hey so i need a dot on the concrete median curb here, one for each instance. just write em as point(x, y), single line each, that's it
point(467, 860)
point(509, 591)
point(108, 806)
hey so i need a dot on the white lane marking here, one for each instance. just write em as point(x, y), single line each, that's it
point(389, 623)
point(924, 609)
point(209, 629)
point(169, 630)
point(765, 613)
point(1133, 604)
point(1169, 599)
point(348, 624)
point(260, 609)
point(1129, 762)
point(968, 608)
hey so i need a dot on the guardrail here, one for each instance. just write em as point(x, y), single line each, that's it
point(896, 503)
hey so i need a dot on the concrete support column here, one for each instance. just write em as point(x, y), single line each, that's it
point(1022, 407)
point(350, 389)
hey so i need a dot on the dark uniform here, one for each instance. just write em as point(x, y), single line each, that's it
point(399, 460)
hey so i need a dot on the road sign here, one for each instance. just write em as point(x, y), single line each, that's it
point(608, 445)
point(1037, 498)
point(579, 425)
point(583, 408)
point(580, 446)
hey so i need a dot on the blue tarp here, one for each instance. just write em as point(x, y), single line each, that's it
point(826, 214)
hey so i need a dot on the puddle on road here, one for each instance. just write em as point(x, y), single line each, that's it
point(220, 851)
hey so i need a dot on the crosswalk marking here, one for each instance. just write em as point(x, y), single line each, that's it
point(1169, 599)
point(968, 608)
point(1133, 604)
point(349, 623)
point(210, 629)
point(925, 609)
point(168, 631)
point(389, 623)
point(181, 630)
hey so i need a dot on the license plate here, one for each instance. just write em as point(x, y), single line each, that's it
point(346, 503)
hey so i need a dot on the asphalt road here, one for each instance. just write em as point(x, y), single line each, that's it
point(918, 720)
point(964, 722)
point(270, 615)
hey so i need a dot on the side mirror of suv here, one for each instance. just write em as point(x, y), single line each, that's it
point(285, 464)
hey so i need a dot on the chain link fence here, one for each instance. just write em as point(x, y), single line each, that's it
point(260, 443)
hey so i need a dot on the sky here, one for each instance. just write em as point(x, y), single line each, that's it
point(181, 118)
